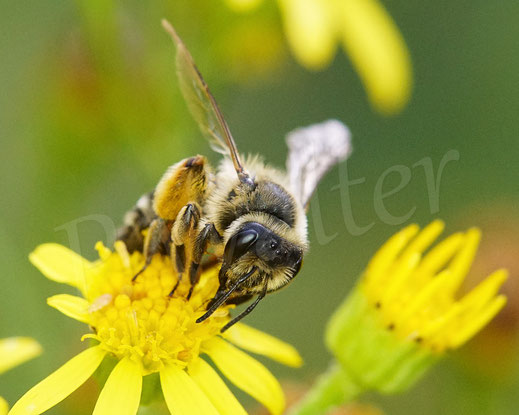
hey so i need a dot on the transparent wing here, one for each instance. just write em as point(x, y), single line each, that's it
point(312, 152)
point(202, 104)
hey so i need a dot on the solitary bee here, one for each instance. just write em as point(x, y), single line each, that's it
point(251, 215)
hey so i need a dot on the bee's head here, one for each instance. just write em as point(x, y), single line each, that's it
point(256, 245)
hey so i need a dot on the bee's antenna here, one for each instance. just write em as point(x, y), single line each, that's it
point(247, 310)
point(220, 300)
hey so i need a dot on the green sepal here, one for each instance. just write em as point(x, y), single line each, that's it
point(371, 353)
point(332, 389)
point(105, 368)
point(151, 389)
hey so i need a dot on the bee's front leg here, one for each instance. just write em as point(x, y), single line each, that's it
point(208, 235)
point(182, 232)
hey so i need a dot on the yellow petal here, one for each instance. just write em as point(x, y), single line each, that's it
point(215, 388)
point(400, 276)
point(479, 321)
point(422, 300)
point(376, 271)
point(60, 384)
point(60, 264)
point(310, 31)
point(242, 5)
point(121, 393)
point(247, 374)
point(462, 262)
point(16, 350)
point(438, 256)
point(70, 305)
point(4, 408)
point(484, 291)
point(425, 238)
point(378, 52)
point(256, 341)
point(182, 394)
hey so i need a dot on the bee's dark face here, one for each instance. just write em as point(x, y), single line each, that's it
point(258, 241)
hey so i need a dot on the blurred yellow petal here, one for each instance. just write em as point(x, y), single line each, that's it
point(182, 394)
point(247, 374)
point(121, 393)
point(376, 272)
point(425, 238)
point(4, 408)
point(256, 341)
point(439, 255)
point(378, 52)
point(16, 350)
point(479, 321)
point(70, 305)
point(310, 31)
point(60, 264)
point(462, 262)
point(243, 5)
point(215, 388)
point(60, 384)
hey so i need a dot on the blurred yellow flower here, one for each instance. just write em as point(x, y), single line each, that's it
point(415, 294)
point(403, 315)
point(147, 332)
point(13, 352)
point(368, 34)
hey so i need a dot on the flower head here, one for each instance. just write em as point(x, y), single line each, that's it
point(404, 314)
point(13, 352)
point(407, 309)
point(377, 49)
point(149, 333)
point(416, 295)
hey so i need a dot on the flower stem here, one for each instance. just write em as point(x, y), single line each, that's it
point(333, 388)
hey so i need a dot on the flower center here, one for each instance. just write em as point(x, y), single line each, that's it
point(139, 320)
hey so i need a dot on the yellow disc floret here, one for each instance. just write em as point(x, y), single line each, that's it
point(139, 320)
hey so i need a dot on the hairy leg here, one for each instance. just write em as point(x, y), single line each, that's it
point(155, 241)
point(182, 232)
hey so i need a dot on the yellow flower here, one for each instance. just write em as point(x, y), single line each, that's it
point(403, 315)
point(149, 333)
point(13, 352)
point(415, 295)
point(406, 305)
point(368, 34)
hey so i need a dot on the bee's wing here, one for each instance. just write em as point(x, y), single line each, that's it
point(202, 104)
point(313, 151)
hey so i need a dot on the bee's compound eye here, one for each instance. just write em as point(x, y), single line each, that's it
point(239, 244)
point(247, 238)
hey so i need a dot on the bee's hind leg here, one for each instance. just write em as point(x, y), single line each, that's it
point(183, 227)
point(155, 240)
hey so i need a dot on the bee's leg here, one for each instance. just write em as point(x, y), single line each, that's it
point(183, 183)
point(248, 309)
point(208, 235)
point(183, 228)
point(135, 221)
point(239, 300)
point(221, 292)
point(154, 242)
point(222, 295)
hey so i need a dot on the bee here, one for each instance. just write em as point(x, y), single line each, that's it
point(251, 215)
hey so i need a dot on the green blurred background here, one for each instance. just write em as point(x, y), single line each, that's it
point(91, 116)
